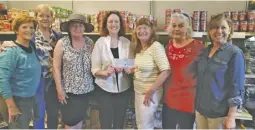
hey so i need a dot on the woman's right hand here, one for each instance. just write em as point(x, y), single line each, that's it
point(62, 96)
point(14, 113)
point(110, 70)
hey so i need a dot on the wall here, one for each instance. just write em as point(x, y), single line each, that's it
point(137, 7)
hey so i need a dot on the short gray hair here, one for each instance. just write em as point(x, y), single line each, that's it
point(187, 21)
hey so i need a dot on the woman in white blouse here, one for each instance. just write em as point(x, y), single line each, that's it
point(113, 83)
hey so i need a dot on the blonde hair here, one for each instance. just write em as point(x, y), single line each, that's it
point(216, 20)
point(136, 42)
point(21, 19)
point(43, 7)
point(187, 22)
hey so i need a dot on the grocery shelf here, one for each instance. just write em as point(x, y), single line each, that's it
point(250, 76)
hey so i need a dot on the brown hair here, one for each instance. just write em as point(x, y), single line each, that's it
point(104, 31)
point(21, 19)
point(41, 7)
point(216, 19)
point(136, 42)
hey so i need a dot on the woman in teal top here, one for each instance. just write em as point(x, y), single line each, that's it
point(20, 73)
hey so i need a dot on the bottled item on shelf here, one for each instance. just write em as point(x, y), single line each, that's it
point(178, 10)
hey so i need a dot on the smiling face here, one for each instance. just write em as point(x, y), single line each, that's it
point(177, 28)
point(26, 31)
point(143, 32)
point(113, 24)
point(76, 28)
point(219, 32)
point(44, 18)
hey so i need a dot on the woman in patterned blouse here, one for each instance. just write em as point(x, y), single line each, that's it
point(72, 71)
point(182, 51)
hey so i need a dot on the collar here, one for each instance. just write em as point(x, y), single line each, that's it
point(223, 46)
point(26, 49)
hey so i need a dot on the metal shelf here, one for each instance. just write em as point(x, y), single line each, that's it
point(249, 75)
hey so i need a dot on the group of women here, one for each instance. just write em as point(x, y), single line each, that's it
point(47, 71)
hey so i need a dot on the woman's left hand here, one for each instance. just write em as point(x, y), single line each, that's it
point(148, 97)
point(118, 69)
point(229, 122)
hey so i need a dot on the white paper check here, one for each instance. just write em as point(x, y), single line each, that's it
point(123, 62)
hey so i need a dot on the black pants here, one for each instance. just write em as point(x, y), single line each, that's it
point(52, 105)
point(112, 110)
point(172, 119)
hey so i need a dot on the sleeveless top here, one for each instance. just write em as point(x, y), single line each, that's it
point(76, 67)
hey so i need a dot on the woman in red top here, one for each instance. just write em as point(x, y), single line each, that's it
point(182, 51)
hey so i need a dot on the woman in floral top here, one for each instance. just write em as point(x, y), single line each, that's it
point(72, 71)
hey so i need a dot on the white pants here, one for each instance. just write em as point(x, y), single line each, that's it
point(144, 114)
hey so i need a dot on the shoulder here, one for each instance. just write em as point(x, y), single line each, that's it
point(157, 44)
point(235, 50)
point(124, 40)
point(89, 40)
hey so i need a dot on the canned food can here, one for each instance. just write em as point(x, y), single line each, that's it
point(242, 15)
point(236, 26)
point(234, 15)
point(203, 16)
point(196, 15)
point(202, 26)
point(251, 15)
point(251, 26)
point(195, 26)
point(243, 26)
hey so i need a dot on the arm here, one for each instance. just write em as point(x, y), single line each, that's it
point(97, 63)
point(7, 65)
point(57, 62)
point(236, 79)
point(162, 63)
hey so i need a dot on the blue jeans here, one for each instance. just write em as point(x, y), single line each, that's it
point(25, 105)
point(39, 107)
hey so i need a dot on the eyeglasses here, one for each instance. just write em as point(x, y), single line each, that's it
point(77, 25)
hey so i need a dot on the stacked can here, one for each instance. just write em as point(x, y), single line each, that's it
point(243, 21)
point(251, 20)
point(199, 21)
point(168, 14)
